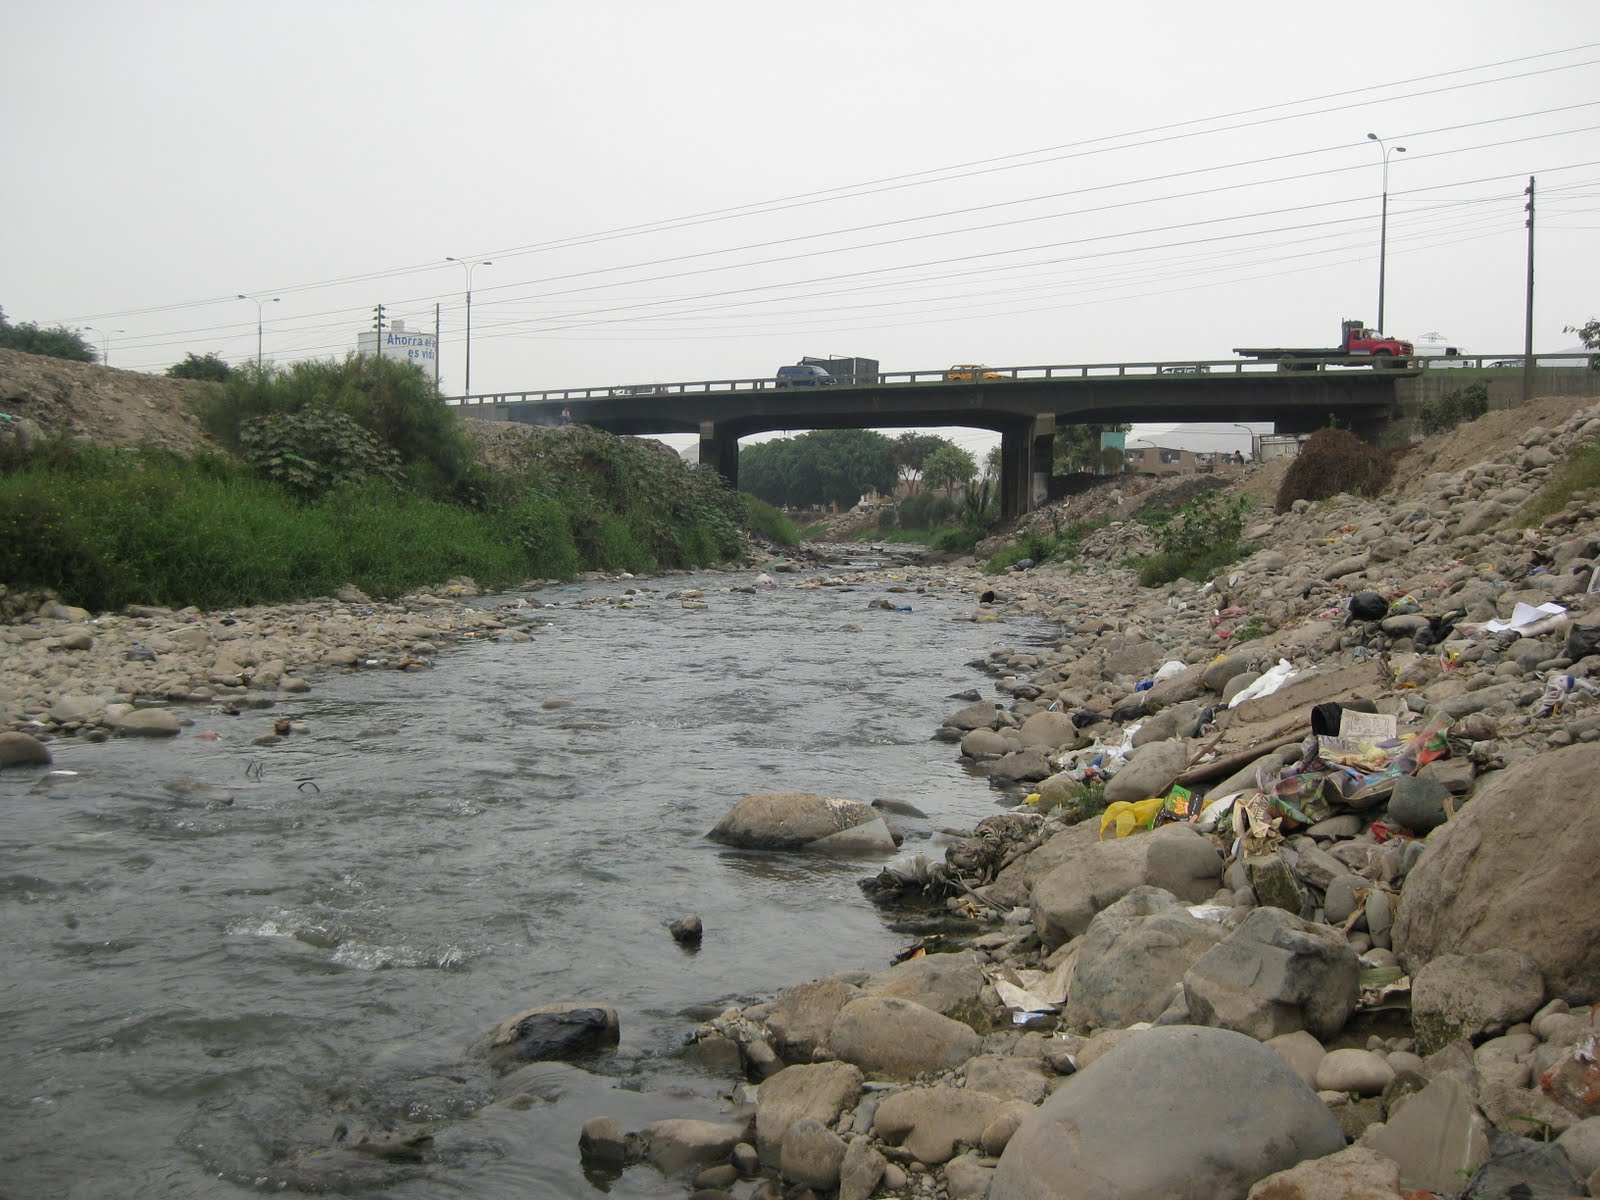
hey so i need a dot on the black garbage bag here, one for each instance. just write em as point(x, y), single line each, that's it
point(1367, 606)
point(1582, 641)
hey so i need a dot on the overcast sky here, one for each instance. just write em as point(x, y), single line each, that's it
point(700, 189)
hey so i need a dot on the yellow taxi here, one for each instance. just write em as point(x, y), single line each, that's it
point(967, 372)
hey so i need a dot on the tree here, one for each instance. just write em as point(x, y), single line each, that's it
point(193, 366)
point(827, 466)
point(991, 463)
point(910, 450)
point(949, 467)
point(1590, 335)
point(55, 342)
point(1077, 447)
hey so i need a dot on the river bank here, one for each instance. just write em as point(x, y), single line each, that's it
point(1375, 971)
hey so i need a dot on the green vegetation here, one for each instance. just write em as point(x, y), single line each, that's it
point(351, 472)
point(1197, 541)
point(1057, 544)
point(1334, 461)
point(1458, 405)
point(768, 522)
point(1077, 447)
point(827, 466)
point(55, 342)
point(208, 367)
point(949, 467)
point(1578, 472)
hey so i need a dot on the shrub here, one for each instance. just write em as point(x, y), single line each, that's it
point(1334, 461)
point(1578, 472)
point(924, 510)
point(771, 524)
point(194, 366)
point(1197, 541)
point(312, 451)
point(1458, 405)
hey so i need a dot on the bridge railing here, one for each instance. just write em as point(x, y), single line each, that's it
point(1191, 369)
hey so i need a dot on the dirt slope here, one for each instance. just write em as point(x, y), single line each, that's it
point(101, 404)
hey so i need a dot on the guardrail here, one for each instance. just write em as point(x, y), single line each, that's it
point(1190, 369)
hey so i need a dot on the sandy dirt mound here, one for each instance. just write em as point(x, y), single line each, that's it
point(102, 405)
point(1478, 440)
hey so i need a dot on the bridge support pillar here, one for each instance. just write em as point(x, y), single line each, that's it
point(1025, 458)
point(720, 452)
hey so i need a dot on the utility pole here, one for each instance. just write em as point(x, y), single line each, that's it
point(1527, 323)
point(377, 343)
point(436, 347)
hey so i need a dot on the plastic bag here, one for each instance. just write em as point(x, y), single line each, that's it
point(1266, 685)
point(1130, 816)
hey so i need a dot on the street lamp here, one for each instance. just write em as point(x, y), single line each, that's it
point(1252, 433)
point(466, 389)
point(105, 343)
point(1383, 228)
point(259, 302)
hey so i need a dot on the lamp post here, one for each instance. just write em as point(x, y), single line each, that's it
point(466, 389)
point(1383, 227)
point(105, 343)
point(259, 302)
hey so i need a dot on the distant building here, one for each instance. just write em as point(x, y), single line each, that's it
point(405, 345)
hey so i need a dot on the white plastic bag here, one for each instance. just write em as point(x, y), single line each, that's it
point(1266, 685)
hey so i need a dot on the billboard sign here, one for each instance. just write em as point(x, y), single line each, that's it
point(407, 345)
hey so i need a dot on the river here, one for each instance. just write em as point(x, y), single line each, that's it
point(202, 997)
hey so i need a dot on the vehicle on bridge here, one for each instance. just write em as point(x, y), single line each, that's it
point(967, 372)
point(1184, 369)
point(1356, 341)
point(804, 374)
point(847, 369)
point(641, 389)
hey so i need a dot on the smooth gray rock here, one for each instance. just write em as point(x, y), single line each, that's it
point(930, 1122)
point(1077, 1145)
point(1467, 995)
point(811, 1154)
point(1132, 960)
point(946, 983)
point(1149, 771)
point(898, 1039)
point(818, 1090)
point(22, 750)
point(679, 1144)
point(1091, 875)
point(1435, 1136)
point(797, 821)
point(1520, 851)
point(553, 1031)
point(1273, 975)
point(1418, 803)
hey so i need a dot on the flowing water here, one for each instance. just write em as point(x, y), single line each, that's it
point(209, 999)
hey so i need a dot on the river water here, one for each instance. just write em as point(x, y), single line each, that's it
point(211, 999)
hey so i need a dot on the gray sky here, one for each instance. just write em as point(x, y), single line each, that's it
point(704, 190)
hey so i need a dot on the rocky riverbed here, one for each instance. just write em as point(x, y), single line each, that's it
point(1360, 960)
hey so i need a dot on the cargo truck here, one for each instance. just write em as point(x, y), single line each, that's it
point(1356, 341)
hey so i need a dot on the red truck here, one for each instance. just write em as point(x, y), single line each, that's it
point(1356, 341)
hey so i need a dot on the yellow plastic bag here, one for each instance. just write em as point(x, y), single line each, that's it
point(1128, 816)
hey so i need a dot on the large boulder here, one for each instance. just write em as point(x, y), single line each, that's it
point(803, 821)
point(1273, 975)
point(818, 1090)
point(947, 983)
point(1149, 771)
point(802, 1016)
point(1093, 874)
point(1133, 959)
point(22, 750)
point(1438, 1136)
point(1355, 1173)
point(898, 1039)
point(1127, 1127)
point(1466, 995)
point(1516, 870)
point(930, 1122)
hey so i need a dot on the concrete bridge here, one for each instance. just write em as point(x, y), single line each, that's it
point(1024, 404)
